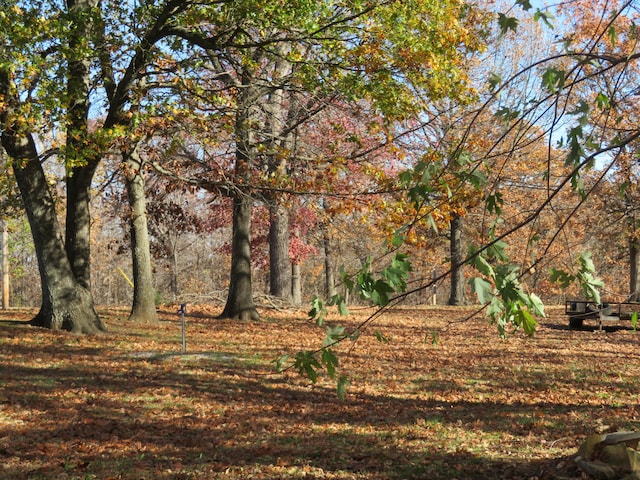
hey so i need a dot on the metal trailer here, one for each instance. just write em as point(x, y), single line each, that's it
point(612, 312)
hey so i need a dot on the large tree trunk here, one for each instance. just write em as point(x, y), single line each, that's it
point(279, 263)
point(143, 308)
point(80, 156)
point(281, 110)
point(66, 303)
point(78, 223)
point(457, 295)
point(240, 303)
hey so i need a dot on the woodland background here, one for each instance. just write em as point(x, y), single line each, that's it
point(249, 156)
point(355, 152)
point(344, 210)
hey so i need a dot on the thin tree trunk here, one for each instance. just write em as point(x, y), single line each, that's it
point(457, 295)
point(143, 308)
point(634, 271)
point(279, 263)
point(296, 284)
point(5, 265)
point(175, 288)
point(329, 271)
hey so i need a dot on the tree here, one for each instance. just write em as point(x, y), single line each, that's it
point(67, 302)
point(48, 71)
point(349, 51)
point(143, 308)
point(457, 296)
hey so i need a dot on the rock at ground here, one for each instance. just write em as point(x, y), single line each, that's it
point(611, 456)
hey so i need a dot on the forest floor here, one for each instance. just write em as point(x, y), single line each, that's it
point(469, 405)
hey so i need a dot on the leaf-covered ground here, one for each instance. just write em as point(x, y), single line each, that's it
point(130, 405)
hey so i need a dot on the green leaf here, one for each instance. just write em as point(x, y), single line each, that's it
point(507, 23)
point(526, 321)
point(330, 361)
point(507, 114)
point(307, 365)
point(495, 308)
point(634, 320)
point(381, 337)
point(397, 239)
point(494, 81)
point(498, 251)
point(318, 311)
point(603, 101)
point(563, 278)
point(553, 79)
point(333, 335)
point(536, 305)
point(484, 267)
point(477, 179)
point(340, 302)
point(613, 35)
point(482, 289)
point(525, 4)
point(342, 307)
point(546, 17)
point(431, 223)
point(279, 363)
point(586, 262)
point(380, 293)
point(494, 203)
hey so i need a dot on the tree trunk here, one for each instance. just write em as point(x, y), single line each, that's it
point(634, 271)
point(175, 288)
point(5, 265)
point(281, 111)
point(81, 158)
point(66, 303)
point(143, 308)
point(296, 284)
point(279, 263)
point(329, 271)
point(240, 304)
point(78, 223)
point(457, 295)
point(240, 297)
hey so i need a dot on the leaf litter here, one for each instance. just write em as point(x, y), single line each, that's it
point(131, 405)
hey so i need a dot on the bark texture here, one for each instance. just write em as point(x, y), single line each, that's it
point(279, 263)
point(329, 270)
point(66, 303)
point(457, 294)
point(634, 271)
point(143, 308)
point(240, 303)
